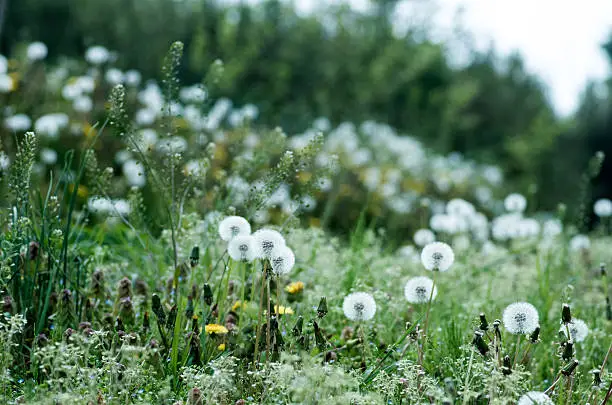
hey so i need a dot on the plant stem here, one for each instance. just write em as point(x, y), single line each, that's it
point(516, 352)
point(425, 327)
point(258, 330)
point(269, 317)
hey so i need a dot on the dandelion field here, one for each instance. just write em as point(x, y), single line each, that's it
point(159, 246)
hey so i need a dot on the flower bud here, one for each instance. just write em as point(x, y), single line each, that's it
point(566, 315)
point(322, 309)
point(484, 325)
point(569, 368)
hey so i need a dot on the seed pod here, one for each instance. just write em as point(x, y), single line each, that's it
point(506, 365)
point(535, 336)
point(484, 325)
point(171, 318)
point(158, 309)
point(194, 257)
point(569, 368)
point(208, 295)
point(322, 309)
point(479, 343)
point(596, 377)
point(566, 314)
point(319, 339)
point(568, 350)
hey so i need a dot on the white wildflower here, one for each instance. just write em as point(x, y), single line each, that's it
point(424, 237)
point(359, 306)
point(134, 173)
point(578, 330)
point(418, 290)
point(233, 226)
point(242, 248)
point(97, 55)
point(603, 208)
point(48, 156)
point(580, 242)
point(282, 260)
point(36, 51)
point(267, 241)
point(515, 203)
point(520, 317)
point(437, 256)
point(535, 398)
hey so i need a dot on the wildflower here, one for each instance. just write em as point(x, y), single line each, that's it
point(424, 237)
point(460, 207)
point(242, 248)
point(535, 398)
point(281, 310)
point(578, 330)
point(359, 306)
point(233, 226)
point(221, 347)
point(82, 104)
point(48, 156)
point(18, 123)
point(295, 287)
point(419, 289)
point(132, 78)
point(520, 317)
point(97, 55)
point(437, 256)
point(603, 207)
point(580, 242)
point(36, 51)
point(6, 83)
point(267, 240)
point(238, 304)
point(213, 328)
point(282, 260)
point(515, 203)
point(114, 76)
point(134, 173)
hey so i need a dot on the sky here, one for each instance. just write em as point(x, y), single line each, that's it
point(559, 39)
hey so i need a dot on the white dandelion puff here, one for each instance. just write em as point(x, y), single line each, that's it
point(580, 242)
point(282, 260)
point(520, 317)
point(535, 398)
point(359, 306)
point(437, 256)
point(267, 240)
point(515, 203)
point(424, 237)
point(36, 51)
point(242, 248)
point(603, 208)
point(418, 290)
point(233, 226)
point(578, 330)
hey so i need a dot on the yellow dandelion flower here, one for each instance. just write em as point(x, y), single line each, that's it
point(239, 304)
point(281, 310)
point(14, 81)
point(216, 329)
point(221, 347)
point(295, 287)
point(89, 130)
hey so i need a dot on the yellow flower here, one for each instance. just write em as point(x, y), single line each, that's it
point(14, 81)
point(82, 190)
point(295, 287)
point(215, 328)
point(239, 304)
point(221, 347)
point(89, 130)
point(283, 310)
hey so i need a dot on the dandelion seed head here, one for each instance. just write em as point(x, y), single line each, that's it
point(424, 237)
point(578, 330)
point(36, 51)
point(515, 203)
point(233, 226)
point(282, 260)
point(359, 306)
point(580, 242)
point(603, 208)
point(520, 318)
point(437, 256)
point(535, 398)
point(267, 240)
point(242, 248)
point(418, 290)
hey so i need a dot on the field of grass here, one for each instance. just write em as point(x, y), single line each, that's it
point(159, 247)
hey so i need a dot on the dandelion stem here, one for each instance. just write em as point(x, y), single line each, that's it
point(516, 352)
point(261, 301)
point(524, 358)
point(603, 365)
point(554, 384)
point(425, 327)
point(268, 316)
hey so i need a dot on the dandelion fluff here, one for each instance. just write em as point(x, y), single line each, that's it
point(603, 208)
point(242, 248)
point(418, 290)
point(268, 240)
point(578, 330)
point(359, 306)
point(423, 237)
point(580, 242)
point(520, 317)
point(233, 226)
point(515, 203)
point(282, 260)
point(437, 256)
point(535, 398)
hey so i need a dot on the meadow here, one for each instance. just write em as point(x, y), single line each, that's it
point(158, 245)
